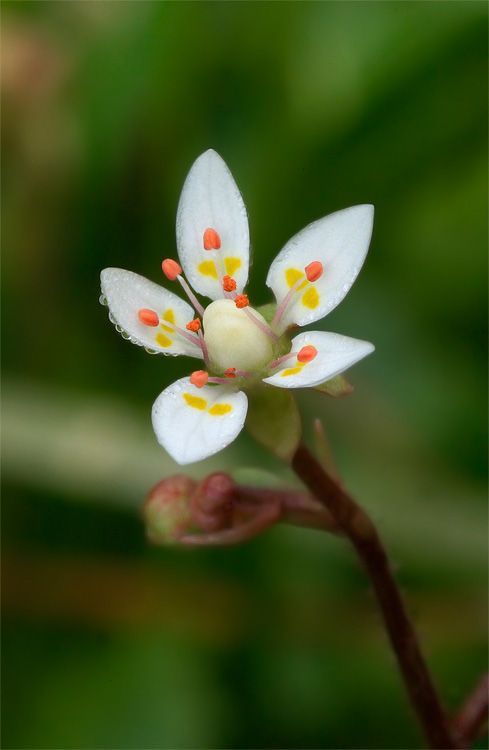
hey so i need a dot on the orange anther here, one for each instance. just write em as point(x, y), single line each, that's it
point(171, 269)
point(212, 241)
point(230, 372)
point(228, 284)
point(241, 300)
point(314, 270)
point(148, 317)
point(199, 378)
point(194, 325)
point(307, 353)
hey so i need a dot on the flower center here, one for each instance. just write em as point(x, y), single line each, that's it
point(235, 341)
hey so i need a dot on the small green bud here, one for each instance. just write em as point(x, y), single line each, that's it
point(166, 510)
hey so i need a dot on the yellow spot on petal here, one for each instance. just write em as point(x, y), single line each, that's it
point(207, 268)
point(219, 409)
point(169, 316)
point(310, 298)
point(294, 370)
point(232, 265)
point(292, 275)
point(163, 340)
point(195, 401)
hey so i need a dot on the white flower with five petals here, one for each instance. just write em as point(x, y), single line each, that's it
point(198, 416)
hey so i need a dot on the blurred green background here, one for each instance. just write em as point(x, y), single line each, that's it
point(109, 643)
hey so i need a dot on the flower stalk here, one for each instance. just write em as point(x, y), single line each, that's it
point(217, 512)
point(356, 525)
point(472, 716)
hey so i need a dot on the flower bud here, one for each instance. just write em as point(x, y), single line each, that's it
point(166, 509)
point(212, 502)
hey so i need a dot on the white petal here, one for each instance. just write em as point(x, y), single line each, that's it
point(340, 242)
point(193, 423)
point(211, 200)
point(336, 354)
point(127, 293)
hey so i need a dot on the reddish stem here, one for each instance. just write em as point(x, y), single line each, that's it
point(297, 507)
point(266, 517)
point(473, 714)
point(357, 526)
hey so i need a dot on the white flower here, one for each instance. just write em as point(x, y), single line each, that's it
point(198, 416)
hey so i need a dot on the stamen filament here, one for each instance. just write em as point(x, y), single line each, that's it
point(203, 346)
point(286, 300)
point(279, 361)
point(304, 355)
point(219, 269)
point(180, 331)
point(256, 321)
point(225, 381)
point(232, 372)
point(262, 326)
point(193, 299)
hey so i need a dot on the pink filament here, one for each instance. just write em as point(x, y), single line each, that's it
point(285, 302)
point(193, 299)
point(181, 332)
